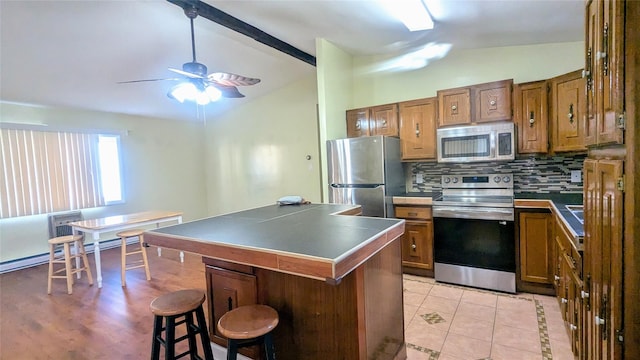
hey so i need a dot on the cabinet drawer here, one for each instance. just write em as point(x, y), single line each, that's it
point(413, 212)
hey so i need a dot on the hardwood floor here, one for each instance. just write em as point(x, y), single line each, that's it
point(108, 323)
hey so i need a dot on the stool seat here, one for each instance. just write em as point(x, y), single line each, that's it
point(168, 309)
point(65, 239)
point(177, 302)
point(130, 233)
point(248, 322)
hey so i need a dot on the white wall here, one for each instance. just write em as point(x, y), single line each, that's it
point(335, 95)
point(162, 162)
point(257, 153)
point(461, 68)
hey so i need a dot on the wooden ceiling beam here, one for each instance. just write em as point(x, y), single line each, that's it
point(220, 17)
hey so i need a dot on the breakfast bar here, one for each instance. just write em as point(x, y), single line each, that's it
point(335, 280)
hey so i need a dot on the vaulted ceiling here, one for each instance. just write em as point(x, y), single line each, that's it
point(73, 53)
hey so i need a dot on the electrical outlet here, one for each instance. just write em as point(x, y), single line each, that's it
point(419, 179)
point(576, 176)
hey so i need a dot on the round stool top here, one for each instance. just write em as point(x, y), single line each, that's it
point(65, 239)
point(177, 302)
point(248, 322)
point(130, 233)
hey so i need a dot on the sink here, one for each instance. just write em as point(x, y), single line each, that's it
point(577, 211)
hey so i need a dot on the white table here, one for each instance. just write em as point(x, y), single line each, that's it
point(121, 222)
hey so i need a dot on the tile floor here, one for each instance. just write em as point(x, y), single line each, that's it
point(450, 322)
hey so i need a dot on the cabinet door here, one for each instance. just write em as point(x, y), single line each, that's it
point(358, 122)
point(229, 289)
point(418, 128)
point(492, 101)
point(592, 75)
point(603, 252)
point(568, 113)
point(454, 107)
point(610, 67)
point(531, 117)
point(535, 247)
point(417, 244)
point(384, 120)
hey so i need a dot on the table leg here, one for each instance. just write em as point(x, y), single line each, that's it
point(96, 254)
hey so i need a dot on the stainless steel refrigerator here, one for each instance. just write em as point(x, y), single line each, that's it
point(366, 171)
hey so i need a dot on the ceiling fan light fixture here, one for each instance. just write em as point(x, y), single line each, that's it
point(183, 91)
point(188, 91)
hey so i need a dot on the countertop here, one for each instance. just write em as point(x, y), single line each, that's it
point(311, 240)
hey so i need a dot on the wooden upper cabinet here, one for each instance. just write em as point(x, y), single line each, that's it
point(418, 128)
point(383, 120)
point(358, 122)
point(454, 107)
point(475, 104)
point(492, 101)
point(604, 72)
point(568, 113)
point(531, 116)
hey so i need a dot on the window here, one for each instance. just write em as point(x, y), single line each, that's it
point(49, 171)
point(109, 161)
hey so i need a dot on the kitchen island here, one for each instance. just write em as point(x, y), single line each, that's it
point(335, 280)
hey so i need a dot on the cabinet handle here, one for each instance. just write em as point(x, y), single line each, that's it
point(556, 277)
point(358, 125)
point(587, 72)
point(570, 115)
point(573, 327)
point(531, 119)
point(417, 130)
point(492, 102)
point(454, 107)
point(413, 245)
point(412, 214)
point(605, 45)
point(599, 320)
point(584, 294)
point(564, 301)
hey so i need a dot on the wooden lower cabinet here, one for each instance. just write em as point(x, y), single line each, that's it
point(417, 241)
point(567, 266)
point(535, 248)
point(603, 258)
point(229, 286)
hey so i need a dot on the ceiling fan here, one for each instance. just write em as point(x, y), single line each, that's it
point(197, 85)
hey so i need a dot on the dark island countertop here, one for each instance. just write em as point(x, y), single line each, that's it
point(312, 240)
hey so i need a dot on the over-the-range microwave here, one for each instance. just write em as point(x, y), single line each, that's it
point(490, 142)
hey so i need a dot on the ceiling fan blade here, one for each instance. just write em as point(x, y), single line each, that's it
point(228, 91)
point(147, 80)
point(186, 73)
point(228, 79)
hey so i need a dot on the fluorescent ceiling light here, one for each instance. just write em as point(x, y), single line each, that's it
point(413, 13)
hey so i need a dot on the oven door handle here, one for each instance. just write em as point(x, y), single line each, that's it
point(473, 212)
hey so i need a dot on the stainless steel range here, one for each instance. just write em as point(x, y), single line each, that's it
point(474, 239)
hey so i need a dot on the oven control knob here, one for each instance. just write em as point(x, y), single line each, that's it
point(447, 180)
point(455, 180)
point(496, 179)
point(506, 179)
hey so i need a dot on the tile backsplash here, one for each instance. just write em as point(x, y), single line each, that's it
point(551, 174)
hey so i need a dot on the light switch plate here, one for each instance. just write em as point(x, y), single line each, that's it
point(576, 176)
point(419, 179)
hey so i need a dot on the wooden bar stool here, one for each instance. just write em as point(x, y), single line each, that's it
point(123, 235)
point(170, 307)
point(249, 325)
point(65, 258)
